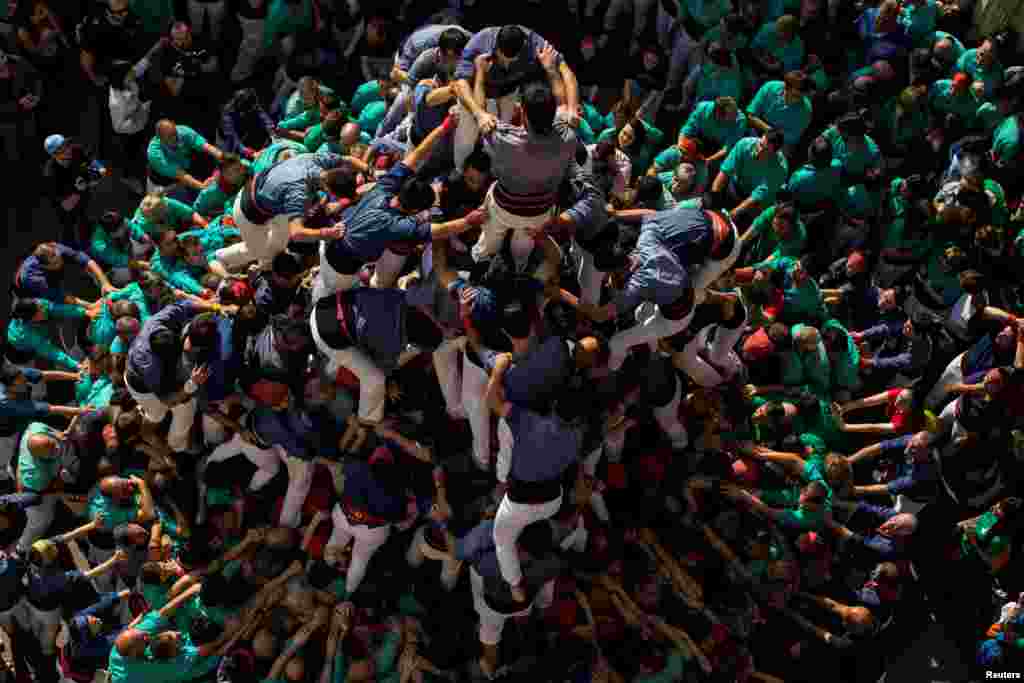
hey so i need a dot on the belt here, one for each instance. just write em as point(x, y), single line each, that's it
point(533, 492)
point(523, 205)
point(251, 209)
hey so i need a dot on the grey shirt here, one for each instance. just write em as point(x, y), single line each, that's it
point(589, 209)
point(284, 187)
point(528, 164)
point(423, 42)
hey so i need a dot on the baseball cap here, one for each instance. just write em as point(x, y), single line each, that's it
point(53, 143)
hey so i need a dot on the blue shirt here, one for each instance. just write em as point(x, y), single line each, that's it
point(588, 212)
point(502, 80)
point(12, 571)
point(92, 652)
point(144, 367)
point(16, 413)
point(372, 224)
point(539, 374)
point(283, 188)
point(544, 446)
point(34, 281)
point(658, 276)
point(46, 589)
point(424, 117)
point(364, 492)
point(288, 429)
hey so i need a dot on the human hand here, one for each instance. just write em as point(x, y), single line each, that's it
point(200, 375)
point(120, 556)
point(486, 122)
point(484, 62)
point(109, 289)
point(335, 232)
point(518, 594)
point(548, 57)
point(258, 535)
point(476, 218)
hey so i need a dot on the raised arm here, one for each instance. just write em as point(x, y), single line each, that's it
point(495, 395)
point(147, 508)
point(417, 156)
point(867, 453)
point(168, 610)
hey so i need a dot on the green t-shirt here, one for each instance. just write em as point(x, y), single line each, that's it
point(36, 474)
point(856, 161)
point(177, 214)
point(1006, 140)
point(943, 100)
point(269, 156)
point(790, 55)
point(714, 81)
point(758, 178)
point(114, 515)
point(167, 161)
point(770, 106)
point(673, 671)
point(993, 545)
point(103, 328)
point(136, 670)
point(284, 18)
point(919, 20)
point(846, 362)
point(811, 186)
point(766, 243)
point(703, 124)
point(641, 155)
point(365, 94)
point(371, 116)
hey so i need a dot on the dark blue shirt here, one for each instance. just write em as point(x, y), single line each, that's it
point(16, 413)
point(47, 588)
point(372, 224)
point(15, 505)
point(12, 571)
point(145, 370)
point(283, 189)
point(501, 79)
point(290, 429)
point(91, 652)
point(915, 479)
point(539, 374)
point(544, 446)
point(34, 281)
point(367, 494)
point(424, 117)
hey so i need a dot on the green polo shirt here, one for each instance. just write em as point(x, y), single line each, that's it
point(167, 161)
point(36, 474)
point(702, 123)
point(759, 178)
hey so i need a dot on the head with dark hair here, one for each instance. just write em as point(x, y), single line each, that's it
point(648, 190)
point(416, 195)
point(517, 317)
point(632, 135)
point(202, 337)
point(819, 154)
point(510, 42)
point(451, 43)
point(165, 344)
point(28, 309)
point(539, 107)
point(340, 182)
point(612, 253)
point(774, 140)
point(476, 171)
point(203, 630)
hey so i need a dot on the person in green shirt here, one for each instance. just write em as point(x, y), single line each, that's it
point(377, 90)
point(198, 248)
point(38, 464)
point(120, 500)
point(218, 195)
point(639, 140)
point(683, 187)
point(946, 49)
point(129, 301)
point(953, 96)
point(157, 212)
point(778, 47)
point(28, 333)
point(982, 66)
point(811, 512)
point(94, 387)
point(1006, 141)
point(988, 538)
point(817, 185)
point(904, 121)
point(275, 153)
point(719, 75)
point(777, 231)
point(170, 155)
point(687, 150)
point(919, 17)
point(296, 127)
point(718, 125)
point(844, 358)
point(752, 174)
point(168, 263)
point(855, 150)
point(782, 105)
point(150, 652)
point(110, 244)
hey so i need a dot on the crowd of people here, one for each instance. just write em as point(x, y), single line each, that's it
point(651, 341)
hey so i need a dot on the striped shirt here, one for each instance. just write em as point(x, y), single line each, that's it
point(529, 167)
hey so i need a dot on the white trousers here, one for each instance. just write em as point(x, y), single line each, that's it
point(388, 268)
point(182, 417)
point(373, 388)
point(266, 459)
point(366, 541)
point(328, 280)
point(492, 623)
point(590, 278)
point(651, 326)
point(468, 132)
point(449, 376)
point(420, 551)
point(300, 481)
point(720, 352)
point(667, 417)
point(260, 242)
point(498, 222)
point(474, 386)
point(509, 522)
point(505, 443)
point(215, 11)
point(952, 374)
